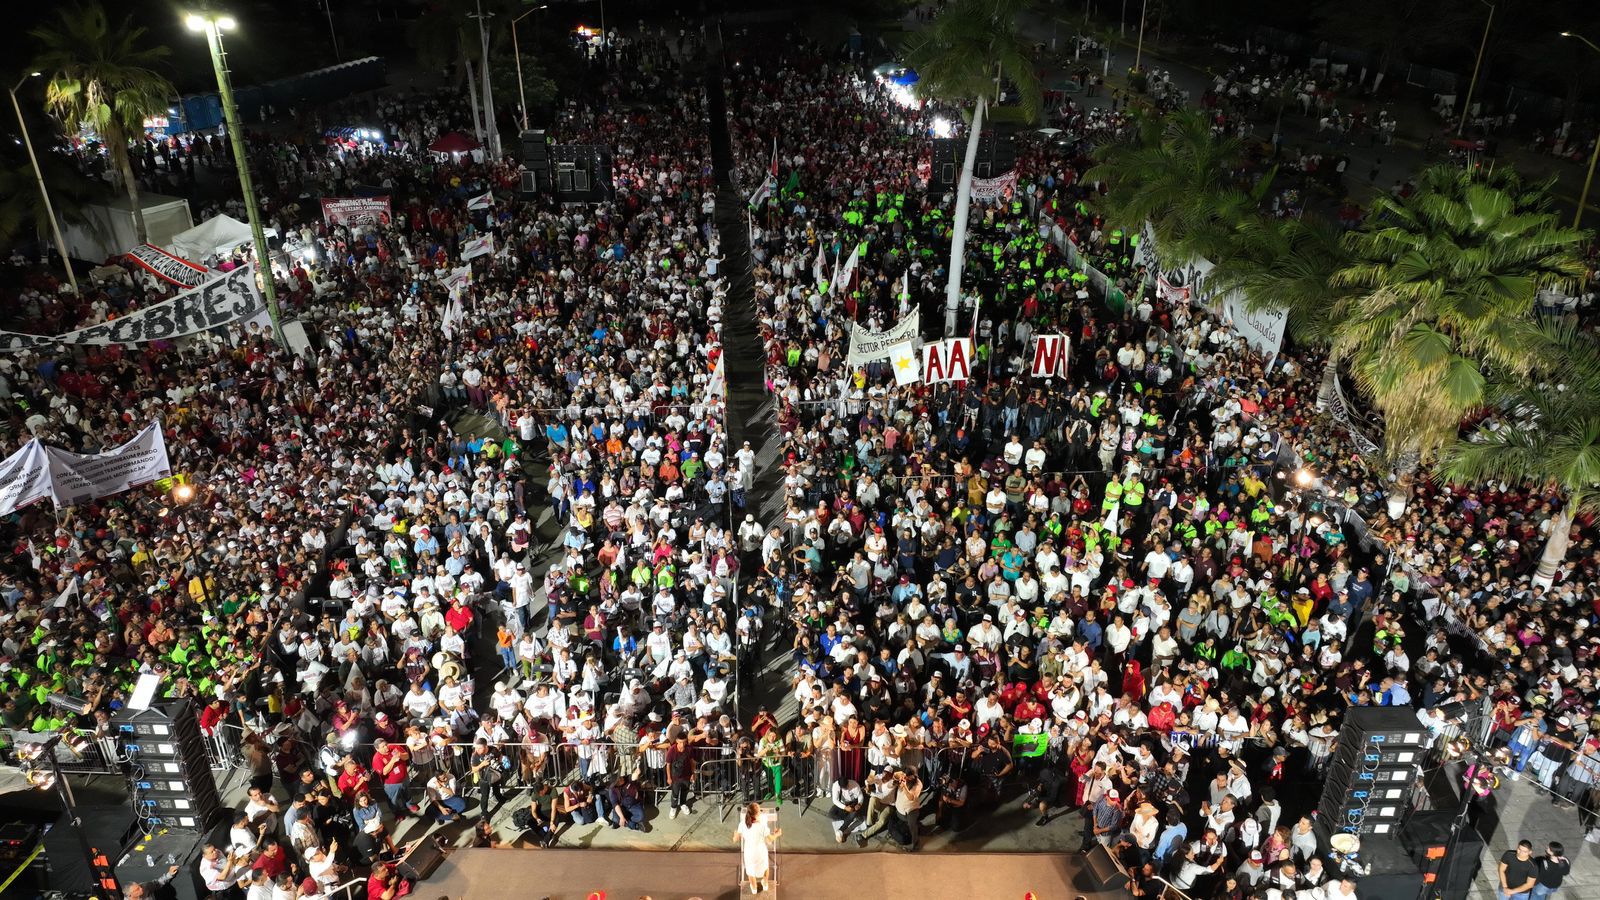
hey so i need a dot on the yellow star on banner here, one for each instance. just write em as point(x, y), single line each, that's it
point(902, 363)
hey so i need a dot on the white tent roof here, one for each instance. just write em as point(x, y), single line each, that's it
point(213, 236)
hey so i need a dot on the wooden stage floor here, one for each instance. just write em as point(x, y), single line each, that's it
point(511, 874)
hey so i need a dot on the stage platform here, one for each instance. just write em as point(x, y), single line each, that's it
point(507, 874)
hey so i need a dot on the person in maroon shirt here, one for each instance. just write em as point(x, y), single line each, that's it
point(391, 763)
point(272, 862)
point(459, 616)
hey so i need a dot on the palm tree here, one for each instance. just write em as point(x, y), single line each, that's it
point(962, 58)
point(104, 76)
point(1178, 175)
point(22, 210)
point(1547, 437)
point(1444, 284)
point(1288, 264)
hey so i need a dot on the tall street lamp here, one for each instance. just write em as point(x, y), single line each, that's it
point(213, 25)
point(49, 210)
point(1466, 108)
point(516, 51)
point(1583, 199)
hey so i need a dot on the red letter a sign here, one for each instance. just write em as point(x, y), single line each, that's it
point(949, 360)
point(1050, 356)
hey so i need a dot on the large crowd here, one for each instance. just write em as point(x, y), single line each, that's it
point(430, 567)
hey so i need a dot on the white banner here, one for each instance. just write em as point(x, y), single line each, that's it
point(1050, 355)
point(38, 471)
point(220, 301)
point(24, 478)
point(476, 247)
point(948, 360)
point(903, 357)
point(75, 477)
point(483, 201)
point(457, 280)
point(1170, 292)
point(867, 345)
point(990, 189)
point(1263, 329)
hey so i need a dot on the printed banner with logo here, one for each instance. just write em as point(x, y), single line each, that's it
point(1050, 355)
point(990, 189)
point(356, 210)
point(1263, 329)
point(220, 301)
point(476, 247)
point(948, 360)
point(457, 280)
point(163, 265)
point(1170, 292)
point(482, 201)
point(868, 346)
point(37, 471)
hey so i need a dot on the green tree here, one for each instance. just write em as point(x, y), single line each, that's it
point(1546, 436)
point(1288, 264)
point(104, 76)
point(1179, 176)
point(22, 212)
point(961, 58)
point(1444, 282)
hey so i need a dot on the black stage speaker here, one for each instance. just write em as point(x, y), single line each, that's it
point(581, 173)
point(420, 862)
point(1426, 838)
point(1107, 874)
point(1373, 773)
point(172, 782)
point(997, 155)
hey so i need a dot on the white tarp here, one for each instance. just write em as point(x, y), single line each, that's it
point(216, 235)
point(37, 471)
point(229, 298)
point(868, 346)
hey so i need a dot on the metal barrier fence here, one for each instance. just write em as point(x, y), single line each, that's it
point(94, 756)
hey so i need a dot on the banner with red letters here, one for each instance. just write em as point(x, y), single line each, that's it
point(948, 360)
point(1050, 355)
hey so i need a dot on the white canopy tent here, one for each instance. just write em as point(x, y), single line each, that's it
point(212, 237)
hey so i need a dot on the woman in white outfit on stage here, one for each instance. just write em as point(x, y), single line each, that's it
point(756, 837)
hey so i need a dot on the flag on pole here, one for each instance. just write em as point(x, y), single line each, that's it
point(905, 292)
point(482, 201)
point(819, 269)
point(769, 183)
point(848, 272)
point(907, 367)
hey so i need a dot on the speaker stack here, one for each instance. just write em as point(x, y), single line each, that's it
point(172, 782)
point(997, 155)
point(1374, 771)
point(535, 158)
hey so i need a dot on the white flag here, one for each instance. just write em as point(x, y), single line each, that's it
point(907, 368)
point(66, 596)
point(843, 278)
point(483, 201)
point(905, 292)
point(476, 247)
point(819, 269)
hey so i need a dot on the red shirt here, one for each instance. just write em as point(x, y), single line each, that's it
point(397, 775)
point(353, 782)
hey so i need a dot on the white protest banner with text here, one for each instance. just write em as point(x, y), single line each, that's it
point(868, 346)
point(75, 477)
point(949, 360)
point(1050, 355)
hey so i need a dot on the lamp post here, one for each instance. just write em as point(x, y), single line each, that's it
point(516, 51)
point(49, 210)
point(213, 25)
point(102, 877)
point(1466, 108)
point(1138, 49)
point(1583, 199)
point(489, 123)
point(182, 496)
